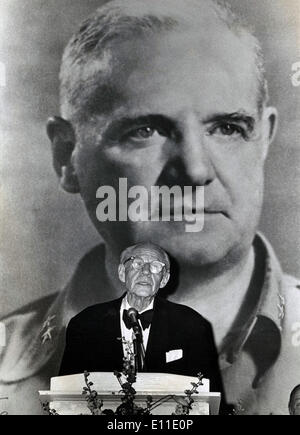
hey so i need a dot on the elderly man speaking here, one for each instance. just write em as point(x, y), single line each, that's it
point(170, 338)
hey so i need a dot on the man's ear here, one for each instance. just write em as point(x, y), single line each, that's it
point(62, 137)
point(164, 280)
point(121, 272)
point(269, 125)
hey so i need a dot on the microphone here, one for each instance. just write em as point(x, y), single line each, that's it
point(139, 348)
point(133, 316)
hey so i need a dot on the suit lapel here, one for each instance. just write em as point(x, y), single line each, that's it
point(112, 331)
point(158, 338)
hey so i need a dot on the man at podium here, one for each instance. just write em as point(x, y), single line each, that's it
point(166, 337)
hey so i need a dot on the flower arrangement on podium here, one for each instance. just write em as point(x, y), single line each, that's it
point(127, 378)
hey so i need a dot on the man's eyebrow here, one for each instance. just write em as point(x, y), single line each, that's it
point(141, 119)
point(240, 117)
point(122, 123)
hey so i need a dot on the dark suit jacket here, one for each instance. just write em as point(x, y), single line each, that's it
point(92, 342)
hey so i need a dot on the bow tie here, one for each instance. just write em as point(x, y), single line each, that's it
point(145, 319)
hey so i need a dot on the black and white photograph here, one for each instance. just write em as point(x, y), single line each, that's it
point(149, 208)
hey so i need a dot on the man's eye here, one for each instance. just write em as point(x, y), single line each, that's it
point(228, 129)
point(145, 136)
point(142, 133)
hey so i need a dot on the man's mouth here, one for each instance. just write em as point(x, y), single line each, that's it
point(194, 211)
point(184, 210)
point(188, 208)
point(181, 212)
point(209, 211)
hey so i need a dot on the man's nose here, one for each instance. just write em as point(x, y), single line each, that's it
point(146, 268)
point(194, 154)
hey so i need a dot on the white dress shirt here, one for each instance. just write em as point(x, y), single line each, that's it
point(127, 334)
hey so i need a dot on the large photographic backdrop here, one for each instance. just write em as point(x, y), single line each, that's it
point(44, 232)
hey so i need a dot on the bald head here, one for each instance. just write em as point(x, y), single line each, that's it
point(90, 53)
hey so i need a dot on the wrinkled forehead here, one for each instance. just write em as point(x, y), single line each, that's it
point(184, 66)
point(148, 254)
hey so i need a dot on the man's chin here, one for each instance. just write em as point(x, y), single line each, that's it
point(205, 247)
point(211, 245)
point(142, 290)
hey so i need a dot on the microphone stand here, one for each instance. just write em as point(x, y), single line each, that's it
point(138, 345)
point(139, 349)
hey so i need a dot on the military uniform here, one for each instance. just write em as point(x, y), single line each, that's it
point(259, 359)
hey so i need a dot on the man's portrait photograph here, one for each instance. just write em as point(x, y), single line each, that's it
point(149, 196)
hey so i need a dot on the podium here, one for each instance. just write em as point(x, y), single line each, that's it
point(65, 395)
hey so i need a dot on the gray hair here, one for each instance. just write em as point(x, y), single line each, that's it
point(124, 19)
point(128, 252)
